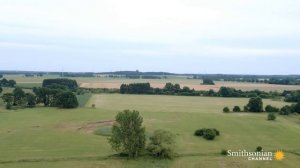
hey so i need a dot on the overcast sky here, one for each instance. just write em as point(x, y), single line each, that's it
point(183, 36)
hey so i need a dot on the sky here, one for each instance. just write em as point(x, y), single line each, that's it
point(180, 36)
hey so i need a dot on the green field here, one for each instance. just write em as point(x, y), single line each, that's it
point(51, 137)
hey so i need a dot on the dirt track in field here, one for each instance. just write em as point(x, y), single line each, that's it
point(242, 86)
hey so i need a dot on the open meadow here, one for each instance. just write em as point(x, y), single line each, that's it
point(51, 137)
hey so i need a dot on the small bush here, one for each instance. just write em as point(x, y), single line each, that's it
point(259, 149)
point(224, 152)
point(226, 110)
point(162, 144)
point(270, 108)
point(8, 106)
point(285, 110)
point(236, 109)
point(93, 106)
point(200, 132)
point(216, 131)
point(271, 116)
point(246, 109)
point(209, 134)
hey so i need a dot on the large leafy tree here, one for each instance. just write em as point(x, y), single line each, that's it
point(128, 134)
point(255, 105)
point(67, 100)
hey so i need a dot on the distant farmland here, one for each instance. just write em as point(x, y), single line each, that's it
point(192, 84)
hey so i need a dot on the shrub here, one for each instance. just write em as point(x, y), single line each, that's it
point(209, 134)
point(93, 106)
point(271, 116)
point(236, 109)
point(216, 131)
point(224, 152)
point(246, 109)
point(226, 110)
point(200, 132)
point(161, 144)
point(285, 110)
point(270, 108)
point(259, 149)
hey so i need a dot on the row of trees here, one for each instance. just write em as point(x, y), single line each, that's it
point(7, 83)
point(207, 81)
point(56, 97)
point(18, 98)
point(175, 89)
point(269, 79)
point(128, 137)
point(256, 105)
point(70, 84)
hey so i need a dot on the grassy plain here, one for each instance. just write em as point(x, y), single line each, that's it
point(51, 137)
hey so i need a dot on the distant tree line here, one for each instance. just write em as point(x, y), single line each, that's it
point(70, 84)
point(207, 81)
point(54, 93)
point(144, 77)
point(136, 88)
point(7, 83)
point(86, 74)
point(268, 79)
point(175, 89)
point(255, 104)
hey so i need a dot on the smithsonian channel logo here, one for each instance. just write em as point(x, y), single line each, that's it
point(279, 155)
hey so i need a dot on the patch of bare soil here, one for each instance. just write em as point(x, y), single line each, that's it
point(92, 126)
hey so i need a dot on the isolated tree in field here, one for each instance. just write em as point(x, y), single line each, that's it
point(162, 144)
point(128, 135)
point(19, 96)
point(67, 100)
point(8, 99)
point(226, 110)
point(255, 105)
point(236, 109)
